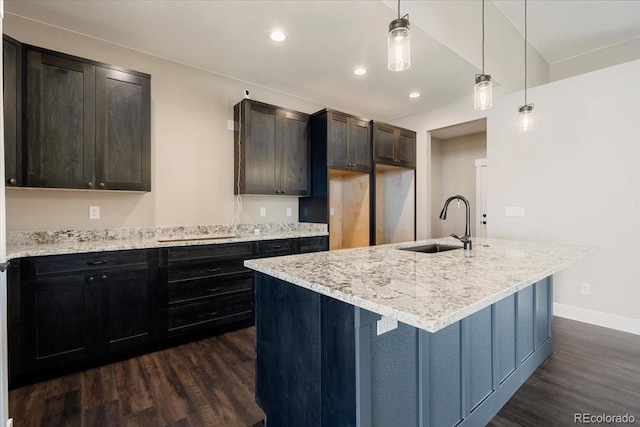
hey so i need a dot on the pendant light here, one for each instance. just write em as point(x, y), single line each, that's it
point(525, 111)
point(482, 90)
point(399, 43)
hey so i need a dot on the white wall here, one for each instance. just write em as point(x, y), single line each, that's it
point(595, 60)
point(191, 148)
point(455, 159)
point(576, 175)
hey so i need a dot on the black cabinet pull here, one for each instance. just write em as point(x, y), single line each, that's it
point(276, 247)
point(91, 279)
point(213, 270)
point(277, 191)
point(103, 277)
point(90, 184)
point(282, 191)
point(99, 262)
point(213, 289)
point(101, 185)
point(213, 313)
point(13, 181)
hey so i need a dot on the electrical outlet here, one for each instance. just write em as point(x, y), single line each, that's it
point(289, 212)
point(263, 211)
point(230, 125)
point(585, 288)
point(332, 211)
point(94, 212)
point(386, 324)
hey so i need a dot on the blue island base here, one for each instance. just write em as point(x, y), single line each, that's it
point(320, 362)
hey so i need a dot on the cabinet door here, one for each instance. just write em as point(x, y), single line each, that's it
point(384, 144)
point(12, 77)
point(406, 149)
point(60, 122)
point(360, 145)
point(259, 149)
point(60, 320)
point(337, 141)
point(123, 139)
point(294, 154)
point(128, 309)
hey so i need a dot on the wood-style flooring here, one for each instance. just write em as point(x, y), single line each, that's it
point(210, 383)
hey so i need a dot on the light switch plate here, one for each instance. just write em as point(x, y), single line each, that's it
point(230, 125)
point(332, 211)
point(514, 211)
point(386, 324)
point(263, 211)
point(289, 212)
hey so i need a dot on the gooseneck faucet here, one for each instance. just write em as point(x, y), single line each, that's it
point(466, 239)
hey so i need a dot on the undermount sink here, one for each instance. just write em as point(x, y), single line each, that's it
point(431, 248)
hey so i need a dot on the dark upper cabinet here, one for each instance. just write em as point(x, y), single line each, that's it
point(12, 97)
point(60, 122)
point(271, 150)
point(87, 124)
point(393, 145)
point(123, 123)
point(348, 142)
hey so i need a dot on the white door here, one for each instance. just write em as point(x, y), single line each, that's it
point(481, 197)
point(4, 372)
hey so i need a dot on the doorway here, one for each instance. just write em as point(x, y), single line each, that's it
point(454, 151)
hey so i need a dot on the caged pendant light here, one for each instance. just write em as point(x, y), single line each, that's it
point(399, 43)
point(482, 90)
point(525, 111)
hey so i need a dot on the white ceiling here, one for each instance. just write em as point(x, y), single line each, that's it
point(562, 29)
point(326, 41)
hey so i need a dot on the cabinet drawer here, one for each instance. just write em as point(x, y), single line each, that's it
point(57, 264)
point(313, 244)
point(210, 288)
point(197, 254)
point(277, 247)
point(202, 315)
point(204, 271)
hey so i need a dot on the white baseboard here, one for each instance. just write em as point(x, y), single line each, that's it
point(598, 318)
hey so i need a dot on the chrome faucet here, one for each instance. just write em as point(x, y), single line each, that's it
point(466, 239)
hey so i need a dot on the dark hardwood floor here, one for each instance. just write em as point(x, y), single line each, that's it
point(210, 383)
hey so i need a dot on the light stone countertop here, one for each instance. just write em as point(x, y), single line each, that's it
point(428, 291)
point(59, 242)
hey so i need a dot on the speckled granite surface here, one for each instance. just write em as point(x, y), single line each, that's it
point(39, 243)
point(428, 291)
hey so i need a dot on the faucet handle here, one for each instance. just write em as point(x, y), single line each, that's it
point(455, 236)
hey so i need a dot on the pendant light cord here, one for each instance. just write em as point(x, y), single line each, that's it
point(398, 9)
point(482, 36)
point(525, 52)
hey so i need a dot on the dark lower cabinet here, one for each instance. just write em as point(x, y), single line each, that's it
point(59, 320)
point(127, 310)
point(69, 312)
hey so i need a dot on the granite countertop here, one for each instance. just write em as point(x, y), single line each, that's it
point(59, 242)
point(428, 291)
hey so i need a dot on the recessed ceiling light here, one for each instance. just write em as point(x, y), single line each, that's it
point(414, 95)
point(278, 36)
point(360, 71)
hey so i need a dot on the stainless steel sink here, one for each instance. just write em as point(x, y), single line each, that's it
point(431, 248)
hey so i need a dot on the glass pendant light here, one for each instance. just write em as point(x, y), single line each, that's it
point(399, 43)
point(525, 111)
point(482, 90)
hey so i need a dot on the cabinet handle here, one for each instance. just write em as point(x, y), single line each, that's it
point(213, 313)
point(282, 191)
point(90, 184)
point(91, 279)
point(101, 185)
point(13, 181)
point(213, 270)
point(213, 289)
point(277, 191)
point(276, 247)
point(103, 277)
point(99, 262)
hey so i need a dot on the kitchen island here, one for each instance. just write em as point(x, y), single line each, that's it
point(472, 326)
